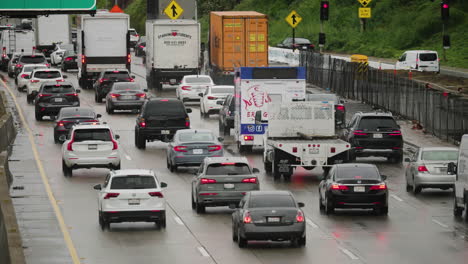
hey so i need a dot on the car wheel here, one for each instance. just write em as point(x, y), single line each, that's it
point(234, 233)
point(381, 210)
point(321, 206)
point(457, 211)
point(194, 205)
point(109, 109)
point(103, 223)
point(117, 167)
point(416, 189)
point(67, 171)
point(162, 223)
point(38, 116)
point(267, 166)
point(56, 139)
point(409, 188)
point(200, 208)
point(329, 208)
point(302, 241)
point(168, 165)
point(287, 177)
point(226, 130)
point(140, 142)
point(29, 99)
point(242, 242)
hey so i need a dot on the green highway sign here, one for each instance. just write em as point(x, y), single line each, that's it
point(47, 6)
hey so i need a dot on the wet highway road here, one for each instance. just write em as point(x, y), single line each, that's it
point(418, 229)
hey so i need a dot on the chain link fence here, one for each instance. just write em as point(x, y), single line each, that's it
point(440, 113)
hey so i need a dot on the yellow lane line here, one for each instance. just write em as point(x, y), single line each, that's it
point(45, 181)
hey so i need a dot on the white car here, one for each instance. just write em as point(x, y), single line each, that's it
point(134, 37)
point(38, 77)
point(191, 86)
point(23, 77)
point(90, 146)
point(133, 195)
point(213, 98)
point(57, 55)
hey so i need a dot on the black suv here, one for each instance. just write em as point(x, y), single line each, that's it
point(374, 134)
point(226, 115)
point(68, 117)
point(54, 96)
point(34, 58)
point(106, 79)
point(159, 119)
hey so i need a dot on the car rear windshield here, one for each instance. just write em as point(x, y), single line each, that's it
point(128, 87)
point(65, 113)
point(165, 108)
point(47, 74)
point(377, 122)
point(259, 201)
point(427, 56)
point(301, 41)
point(117, 75)
point(133, 182)
point(228, 168)
point(198, 80)
point(33, 59)
point(58, 89)
point(101, 134)
point(132, 32)
point(357, 173)
point(195, 137)
point(222, 90)
point(31, 68)
point(440, 155)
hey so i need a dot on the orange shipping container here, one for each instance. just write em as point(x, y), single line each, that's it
point(238, 38)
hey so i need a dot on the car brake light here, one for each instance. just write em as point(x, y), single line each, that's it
point(34, 81)
point(114, 143)
point(180, 148)
point(113, 95)
point(68, 59)
point(70, 144)
point(187, 122)
point(294, 149)
point(247, 218)
point(300, 216)
point(228, 163)
point(83, 59)
point(207, 181)
point(340, 107)
point(129, 58)
point(142, 122)
point(141, 46)
point(250, 180)
point(214, 148)
point(141, 95)
point(378, 187)
point(185, 88)
point(44, 95)
point(212, 98)
point(103, 80)
point(248, 138)
point(47, 65)
point(72, 94)
point(19, 66)
point(111, 195)
point(395, 133)
point(136, 35)
point(157, 194)
point(332, 150)
point(422, 168)
point(24, 75)
point(339, 187)
point(359, 133)
point(60, 80)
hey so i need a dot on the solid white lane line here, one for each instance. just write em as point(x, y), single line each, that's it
point(178, 220)
point(203, 251)
point(312, 224)
point(440, 223)
point(396, 198)
point(348, 253)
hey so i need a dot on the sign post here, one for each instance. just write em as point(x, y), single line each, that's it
point(293, 19)
point(364, 13)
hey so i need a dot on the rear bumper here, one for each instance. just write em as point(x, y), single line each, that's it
point(360, 201)
point(155, 133)
point(127, 105)
point(434, 181)
point(46, 109)
point(194, 160)
point(134, 216)
point(93, 162)
point(254, 232)
point(368, 152)
point(221, 199)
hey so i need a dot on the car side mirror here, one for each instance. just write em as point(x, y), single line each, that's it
point(78, 91)
point(145, 90)
point(98, 116)
point(407, 160)
point(65, 76)
point(219, 102)
point(300, 204)
point(258, 117)
point(220, 139)
point(133, 76)
point(255, 170)
point(163, 185)
point(200, 94)
point(384, 177)
point(97, 187)
point(117, 136)
point(451, 168)
point(189, 110)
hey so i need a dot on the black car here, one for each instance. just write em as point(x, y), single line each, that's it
point(226, 115)
point(299, 43)
point(69, 61)
point(69, 116)
point(106, 79)
point(140, 47)
point(54, 96)
point(269, 215)
point(352, 185)
point(340, 109)
point(159, 119)
point(34, 58)
point(374, 134)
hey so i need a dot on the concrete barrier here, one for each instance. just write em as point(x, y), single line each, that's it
point(7, 126)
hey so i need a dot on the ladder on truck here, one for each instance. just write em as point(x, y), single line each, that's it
point(12, 40)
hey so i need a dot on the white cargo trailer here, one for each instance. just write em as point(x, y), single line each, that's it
point(15, 40)
point(50, 30)
point(460, 191)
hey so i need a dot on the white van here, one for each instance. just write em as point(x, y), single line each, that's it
point(419, 60)
point(461, 182)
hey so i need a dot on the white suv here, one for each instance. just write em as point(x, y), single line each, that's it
point(90, 146)
point(38, 77)
point(212, 100)
point(133, 195)
point(191, 86)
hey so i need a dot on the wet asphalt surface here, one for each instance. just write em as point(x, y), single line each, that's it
point(418, 229)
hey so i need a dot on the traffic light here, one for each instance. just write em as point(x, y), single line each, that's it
point(321, 38)
point(444, 9)
point(324, 5)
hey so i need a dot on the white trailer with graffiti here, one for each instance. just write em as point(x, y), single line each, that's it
point(255, 89)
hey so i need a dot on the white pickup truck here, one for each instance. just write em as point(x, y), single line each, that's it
point(301, 134)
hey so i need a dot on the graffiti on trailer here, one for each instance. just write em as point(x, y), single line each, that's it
point(256, 97)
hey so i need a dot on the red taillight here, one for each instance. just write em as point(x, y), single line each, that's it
point(69, 145)
point(339, 187)
point(294, 149)
point(332, 150)
point(24, 75)
point(340, 107)
point(18, 66)
point(156, 194)
point(185, 88)
point(359, 133)
point(44, 95)
point(47, 65)
point(73, 94)
point(378, 187)
point(395, 133)
point(180, 148)
point(422, 168)
point(207, 181)
point(129, 58)
point(103, 80)
point(212, 98)
point(228, 163)
point(111, 195)
point(300, 216)
point(187, 122)
point(248, 138)
point(142, 124)
point(250, 180)
point(136, 35)
point(141, 95)
point(60, 80)
point(83, 59)
point(141, 46)
point(68, 59)
point(247, 218)
point(113, 95)
point(34, 81)
point(214, 148)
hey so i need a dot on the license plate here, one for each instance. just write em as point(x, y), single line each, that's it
point(228, 186)
point(378, 136)
point(165, 132)
point(133, 201)
point(359, 189)
point(58, 100)
point(92, 147)
point(126, 97)
point(273, 219)
point(314, 151)
point(198, 151)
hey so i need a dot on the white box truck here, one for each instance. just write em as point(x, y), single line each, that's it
point(50, 30)
point(103, 43)
point(460, 202)
point(15, 40)
point(172, 51)
point(255, 89)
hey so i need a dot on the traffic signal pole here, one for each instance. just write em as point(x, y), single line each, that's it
point(321, 32)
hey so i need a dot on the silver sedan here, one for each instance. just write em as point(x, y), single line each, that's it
point(427, 168)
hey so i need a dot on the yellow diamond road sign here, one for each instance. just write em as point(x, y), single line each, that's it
point(293, 19)
point(364, 3)
point(364, 12)
point(173, 10)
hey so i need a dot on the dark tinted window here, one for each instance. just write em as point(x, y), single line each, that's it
point(126, 87)
point(357, 173)
point(223, 90)
point(31, 68)
point(377, 122)
point(102, 134)
point(58, 89)
point(117, 75)
point(274, 73)
point(33, 59)
point(195, 137)
point(440, 155)
point(427, 56)
point(198, 80)
point(47, 74)
point(74, 113)
point(162, 108)
point(228, 168)
point(259, 201)
point(133, 182)
point(132, 32)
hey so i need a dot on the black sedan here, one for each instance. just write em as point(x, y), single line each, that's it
point(54, 96)
point(70, 116)
point(269, 215)
point(69, 61)
point(354, 186)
